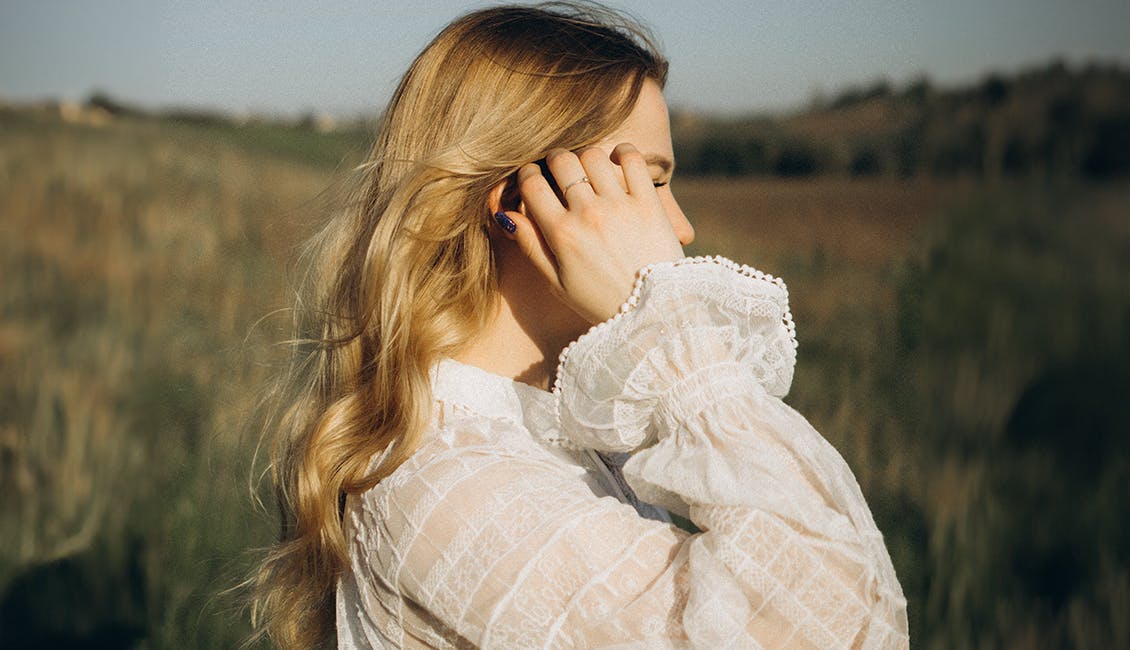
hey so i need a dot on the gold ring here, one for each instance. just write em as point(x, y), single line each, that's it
point(583, 179)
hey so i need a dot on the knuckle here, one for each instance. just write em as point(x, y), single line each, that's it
point(556, 154)
point(592, 154)
point(527, 182)
point(630, 155)
point(592, 214)
point(527, 171)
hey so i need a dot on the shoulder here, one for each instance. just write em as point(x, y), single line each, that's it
point(460, 446)
point(459, 463)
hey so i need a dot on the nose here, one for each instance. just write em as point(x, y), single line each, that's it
point(679, 222)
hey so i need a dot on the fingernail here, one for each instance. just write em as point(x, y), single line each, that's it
point(506, 222)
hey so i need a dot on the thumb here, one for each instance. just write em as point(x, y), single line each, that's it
point(522, 230)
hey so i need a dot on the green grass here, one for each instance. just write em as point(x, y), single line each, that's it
point(137, 262)
point(964, 347)
point(1011, 367)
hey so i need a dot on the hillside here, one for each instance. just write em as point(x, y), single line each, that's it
point(1051, 121)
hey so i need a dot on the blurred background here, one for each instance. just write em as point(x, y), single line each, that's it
point(945, 189)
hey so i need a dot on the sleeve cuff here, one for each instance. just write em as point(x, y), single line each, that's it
point(681, 317)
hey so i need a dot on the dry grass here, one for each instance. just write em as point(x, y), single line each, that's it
point(784, 226)
point(137, 259)
point(837, 243)
point(135, 262)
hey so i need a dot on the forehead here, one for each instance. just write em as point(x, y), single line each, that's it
point(648, 126)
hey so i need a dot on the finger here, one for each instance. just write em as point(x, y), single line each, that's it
point(532, 243)
point(602, 174)
point(634, 167)
point(568, 171)
point(535, 192)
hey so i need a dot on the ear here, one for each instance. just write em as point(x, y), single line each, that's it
point(503, 198)
point(505, 195)
point(495, 198)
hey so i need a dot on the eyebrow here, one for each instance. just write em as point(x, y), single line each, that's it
point(665, 164)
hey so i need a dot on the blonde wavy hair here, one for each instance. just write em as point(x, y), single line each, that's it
point(406, 275)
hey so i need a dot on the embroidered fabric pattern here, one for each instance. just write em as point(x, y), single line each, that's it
point(536, 519)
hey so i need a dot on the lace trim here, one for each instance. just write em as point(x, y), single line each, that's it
point(633, 300)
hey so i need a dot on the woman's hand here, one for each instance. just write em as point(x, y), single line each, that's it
point(591, 246)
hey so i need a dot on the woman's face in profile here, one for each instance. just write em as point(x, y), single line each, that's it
point(648, 127)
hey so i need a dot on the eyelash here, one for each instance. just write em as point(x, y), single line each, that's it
point(663, 184)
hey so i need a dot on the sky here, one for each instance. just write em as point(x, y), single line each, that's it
point(344, 58)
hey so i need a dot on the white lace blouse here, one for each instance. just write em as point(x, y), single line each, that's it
point(538, 519)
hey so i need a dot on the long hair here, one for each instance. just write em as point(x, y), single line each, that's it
point(406, 275)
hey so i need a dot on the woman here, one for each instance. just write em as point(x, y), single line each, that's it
point(472, 465)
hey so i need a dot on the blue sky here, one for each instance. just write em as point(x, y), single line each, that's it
point(345, 57)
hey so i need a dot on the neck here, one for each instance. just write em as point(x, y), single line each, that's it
point(527, 330)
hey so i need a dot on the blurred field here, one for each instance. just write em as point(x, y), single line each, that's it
point(965, 347)
point(136, 260)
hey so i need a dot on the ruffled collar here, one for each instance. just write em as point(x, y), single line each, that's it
point(494, 396)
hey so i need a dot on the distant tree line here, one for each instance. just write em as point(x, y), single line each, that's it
point(1051, 121)
point(309, 120)
point(1048, 122)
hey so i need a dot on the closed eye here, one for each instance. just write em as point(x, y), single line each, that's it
point(661, 168)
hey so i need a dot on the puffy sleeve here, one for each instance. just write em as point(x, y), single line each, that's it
point(506, 549)
point(689, 376)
